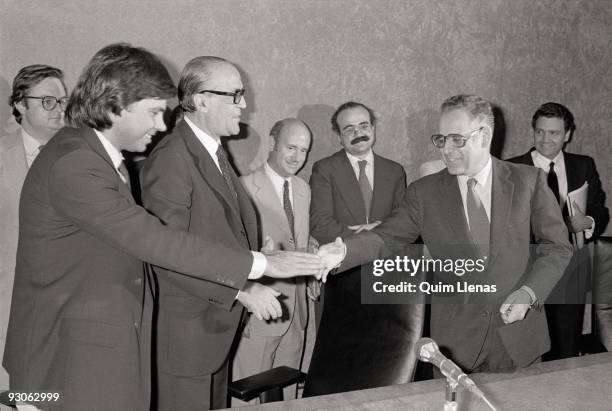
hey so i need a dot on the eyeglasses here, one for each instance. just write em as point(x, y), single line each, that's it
point(456, 140)
point(350, 130)
point(50, 102)
point(237, 95)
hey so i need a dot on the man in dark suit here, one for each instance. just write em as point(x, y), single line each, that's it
point(188, 183)
point(352, 190)
point(80, 317)
point(553, 126)
point(479, 208)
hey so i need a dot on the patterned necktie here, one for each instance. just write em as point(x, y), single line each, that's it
point(364, 185)
point(479, 222)
point(553, 181)
point(287, 207)
point(224, 165)
point(124, 174)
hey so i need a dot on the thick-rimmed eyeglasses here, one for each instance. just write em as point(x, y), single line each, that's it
point(351, 130)
point(456, 140)
point(237, 95)
point(50, 102)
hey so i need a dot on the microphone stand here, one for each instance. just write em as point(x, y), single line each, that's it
point(451, 395)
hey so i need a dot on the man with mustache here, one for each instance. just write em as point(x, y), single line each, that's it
point(38, 100)
point(352, 190)
point(553, 127)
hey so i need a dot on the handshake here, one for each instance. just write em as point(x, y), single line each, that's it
point(318, 263)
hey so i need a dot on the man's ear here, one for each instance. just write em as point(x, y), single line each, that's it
point(487, 136)
point(21, 106)
point(272, 143)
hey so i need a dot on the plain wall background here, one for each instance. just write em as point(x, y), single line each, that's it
point(304, 58)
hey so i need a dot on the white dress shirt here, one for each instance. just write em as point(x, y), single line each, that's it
point(482, 189)
point(369, 168)
point(31, 145)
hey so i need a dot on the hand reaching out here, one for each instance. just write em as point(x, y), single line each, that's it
point(260, 300)
point(332, 254)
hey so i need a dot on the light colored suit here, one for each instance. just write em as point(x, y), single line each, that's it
point(13, 169)
point(266, 344)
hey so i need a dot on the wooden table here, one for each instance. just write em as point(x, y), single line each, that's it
point(582, 383)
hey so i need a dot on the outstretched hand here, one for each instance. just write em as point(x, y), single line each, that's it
point(333, 254)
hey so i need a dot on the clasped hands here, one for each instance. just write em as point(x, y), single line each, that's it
point(262, 300)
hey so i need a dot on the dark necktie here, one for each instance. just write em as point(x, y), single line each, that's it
point(226, 170)
point(125, 175)
point(287, 206)
point(553, 181)
point(364, 185)
point(479, 222)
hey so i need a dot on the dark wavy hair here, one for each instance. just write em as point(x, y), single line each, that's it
point(117, 76)
point(555, 110)
point(28, 77)
point(349, 105)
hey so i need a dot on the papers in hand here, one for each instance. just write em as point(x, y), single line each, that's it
point(579, 198)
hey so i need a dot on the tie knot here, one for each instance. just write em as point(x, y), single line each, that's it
point(362, 164)
point(471, 183)
point(552, 166)
point(221, 152)
point(286, 185)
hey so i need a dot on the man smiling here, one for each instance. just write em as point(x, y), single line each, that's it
point(80, 322)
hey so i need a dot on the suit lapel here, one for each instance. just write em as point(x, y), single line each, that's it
point(267, 196)
point(349, 187)
point(502, 191)
point(300, 211)
point(449, 189)
point(574, 173)
point(207, 167)
point(95, 144)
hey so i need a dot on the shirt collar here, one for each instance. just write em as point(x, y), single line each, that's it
point(369, 157)
point(481, 177)
point(207, 141)
point(274, 176)
point(30, 144)
point(544, 162)
point(111, 150)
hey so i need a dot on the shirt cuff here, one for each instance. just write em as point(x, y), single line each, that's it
point(588, 232)
point(260, 263)
point(529, 291)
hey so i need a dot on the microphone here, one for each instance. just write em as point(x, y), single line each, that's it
point(428, 351)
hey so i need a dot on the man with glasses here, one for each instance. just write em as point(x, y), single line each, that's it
point(553, 127)
point(353, 190)
point(480, 208)
point(38, 101)
point(188, 183)
point(81, 316)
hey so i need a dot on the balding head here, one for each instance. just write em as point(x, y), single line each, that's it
point(289, 146)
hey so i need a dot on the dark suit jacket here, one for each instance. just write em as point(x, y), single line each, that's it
point(348, 329)
point(80, 319)
point(520, 203)
point(183, 187)
point(578, 170)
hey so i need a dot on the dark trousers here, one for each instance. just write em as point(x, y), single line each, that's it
point(565, 328)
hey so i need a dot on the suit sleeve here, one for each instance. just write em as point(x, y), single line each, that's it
point(552, 250)
point(84, 189)
point(596, 200)
point(323, 226)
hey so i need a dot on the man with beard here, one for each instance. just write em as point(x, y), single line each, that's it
point(352, 190)
point(38, 100)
